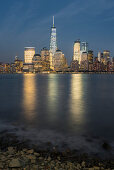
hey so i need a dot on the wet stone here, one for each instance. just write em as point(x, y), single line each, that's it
point(15, 163)
point(30, 151)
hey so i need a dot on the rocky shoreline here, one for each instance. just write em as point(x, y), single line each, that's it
point(28, 159)
point(15, 154)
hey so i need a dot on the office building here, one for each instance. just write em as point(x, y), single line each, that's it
point(106, 56)
point(84, 47)
point(76, 55)
point(59, 61)
point(45, 55)
point(90, 57)
point(28, 54)
point(53, 41)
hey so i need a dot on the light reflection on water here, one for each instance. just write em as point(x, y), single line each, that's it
point(53, 95)
point(70, 104)
point(77, 98)
point(29, 96)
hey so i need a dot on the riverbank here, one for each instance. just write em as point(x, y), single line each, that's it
point(15, 154)
point(59, 72)
point(29, 159)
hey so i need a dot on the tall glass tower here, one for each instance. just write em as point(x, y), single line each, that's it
point(84, 47)
point(53, 42)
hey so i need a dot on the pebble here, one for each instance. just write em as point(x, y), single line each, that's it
point(30, 160)
point(30, 151)
point(15, 163)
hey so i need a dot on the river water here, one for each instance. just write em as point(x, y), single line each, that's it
point(75, 111)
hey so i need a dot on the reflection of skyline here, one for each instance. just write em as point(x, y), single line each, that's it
point(77, 99)
point(53, 94)
point(29, 95)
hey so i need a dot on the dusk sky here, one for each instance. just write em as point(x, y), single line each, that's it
point(28, 23)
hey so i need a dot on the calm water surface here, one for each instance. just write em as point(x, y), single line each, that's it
point(72, 109)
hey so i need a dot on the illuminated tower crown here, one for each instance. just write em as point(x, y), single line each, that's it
point(53, 42)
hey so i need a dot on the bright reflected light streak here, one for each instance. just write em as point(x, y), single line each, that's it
point(29, 92)
point(76, 98)
point(53, 90)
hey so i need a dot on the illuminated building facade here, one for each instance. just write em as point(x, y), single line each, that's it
point(84, 61)
point(45, 55)
point(84, 47)
point(106, 56)
point(76, 55)
point(74, 66)
point(59, 61)
point(53, 42)
point(40, 64)
point(28, 54)
point(90, 56)
point(18, 65)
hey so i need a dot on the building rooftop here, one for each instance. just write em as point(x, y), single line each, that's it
point(29, 47)
point(77, 41)
point(37, 55)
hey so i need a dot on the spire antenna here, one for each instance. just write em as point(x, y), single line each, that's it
point(53, 21)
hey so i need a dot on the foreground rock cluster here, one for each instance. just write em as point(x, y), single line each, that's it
point(28, 159)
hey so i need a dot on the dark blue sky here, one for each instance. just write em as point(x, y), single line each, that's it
point(28, 22)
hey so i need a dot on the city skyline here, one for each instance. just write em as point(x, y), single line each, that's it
point(73, 21)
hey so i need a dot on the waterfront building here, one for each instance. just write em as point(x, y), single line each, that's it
point(6, 68)
point(1, 67)
point(106, 56)
point(84, 61)
point(90, 67)
point(36, 58)
point(29, 68)
point(90, 56)
point(75, 65)
point(45, 55)
point(28, 54)
point(59, 61)
point(76, 55)
point(39, 64)
point(99, 56)
point(84, 47)
point(18, 65)
point(53, 41)
point(84, 56)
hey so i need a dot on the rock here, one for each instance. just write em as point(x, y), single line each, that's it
point(36, 154)
point(33, 161)
point(11, 150)
point(15, 163)
point(1, 165)
point(78, 166)
point(49, 158)
point(83, 164)
point(96, 168)
point(58, 158)
point(35, 167)
point(106, 146)
point(31, 157)
point(24, 150)
point(30, 151)
point(3, 158)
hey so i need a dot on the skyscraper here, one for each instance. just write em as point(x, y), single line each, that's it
point(76, 55)
point(53, 42)
point(106, 55)
point(84, 46)
point(90, 57)
point(28, 54)
point(45, 54)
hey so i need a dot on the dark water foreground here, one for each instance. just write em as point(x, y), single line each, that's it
point(66, 112)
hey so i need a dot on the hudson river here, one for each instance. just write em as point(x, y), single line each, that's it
point(73, 111)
